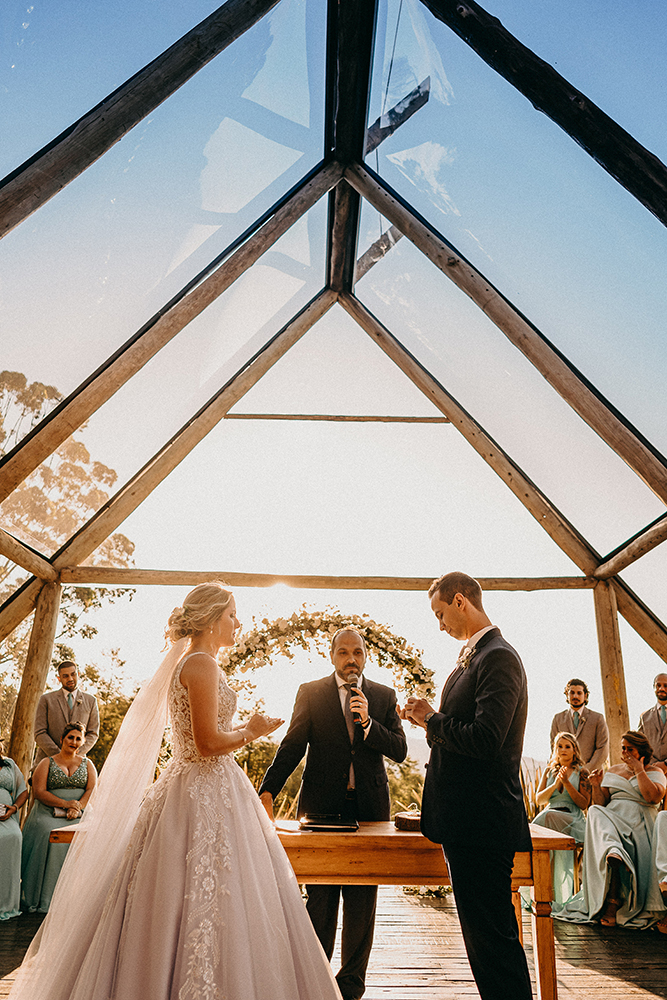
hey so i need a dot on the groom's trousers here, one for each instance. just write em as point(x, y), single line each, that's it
point(482, 884)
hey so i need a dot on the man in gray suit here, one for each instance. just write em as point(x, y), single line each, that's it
point(56, 709)
point(590, 728)
point(653, 723)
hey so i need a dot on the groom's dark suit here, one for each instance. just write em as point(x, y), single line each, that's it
point(473, 805)
point(318, 726)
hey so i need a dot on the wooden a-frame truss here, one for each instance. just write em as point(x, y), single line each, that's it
point(342, 176)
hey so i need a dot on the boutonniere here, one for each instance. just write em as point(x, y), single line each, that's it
point(465, 656)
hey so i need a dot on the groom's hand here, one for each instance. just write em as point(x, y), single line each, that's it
point(415, 711)
point(266, 798)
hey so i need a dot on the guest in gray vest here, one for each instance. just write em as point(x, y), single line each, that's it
point(56, 709)
point(653, 723)
point(589, 727)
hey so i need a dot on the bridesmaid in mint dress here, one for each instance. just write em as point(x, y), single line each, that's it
point(565, 792)
point(619, 877)
point(62, 786)
point(13, 794)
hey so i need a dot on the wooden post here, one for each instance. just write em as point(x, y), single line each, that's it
point(35, 674)
point(611, 667)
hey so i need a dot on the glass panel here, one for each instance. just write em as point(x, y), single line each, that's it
point(309, 496)
point(520, 199)
point(94, 264)
point(493, 381)
point(647, 578)
point(614, 56)
point(134, 424)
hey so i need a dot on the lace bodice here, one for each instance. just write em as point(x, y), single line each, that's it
point(179, 713)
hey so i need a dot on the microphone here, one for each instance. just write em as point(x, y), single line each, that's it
point(353, 681)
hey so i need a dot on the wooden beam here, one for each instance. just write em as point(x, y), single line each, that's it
point(638, 170)
point(386, 124)
point(352, 37)
point(19, 553)
point(18, 606)
point(639, 546)
point(611, 667)
point(136, 352)
point(377, 251)
point(53, 167)
point(640, 617)
point(343, 418)
point(553, 522)
point(128, 498)
point(123, 577)
point(568, 382)
point(35, 673)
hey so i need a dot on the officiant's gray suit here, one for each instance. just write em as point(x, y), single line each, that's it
point(53, 714)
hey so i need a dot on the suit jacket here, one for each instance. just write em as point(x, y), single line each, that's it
point(472, 792)
point(592, 735)
point(654, 731)
point(318, 726)
point(53, 714)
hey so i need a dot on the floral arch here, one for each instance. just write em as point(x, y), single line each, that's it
point(306, 628)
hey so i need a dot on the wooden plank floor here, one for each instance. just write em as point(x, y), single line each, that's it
point(419, 955)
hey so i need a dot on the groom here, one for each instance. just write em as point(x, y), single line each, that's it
point(344, 774)
point(472, 802)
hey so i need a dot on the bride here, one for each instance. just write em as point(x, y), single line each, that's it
point(188, 894)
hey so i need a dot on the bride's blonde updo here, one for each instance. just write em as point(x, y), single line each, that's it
point(201, 609)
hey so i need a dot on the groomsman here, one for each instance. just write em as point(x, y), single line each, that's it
point(472, 802)
point(653, 722)
point(590, 728)
point(344, 775)
point(56, 709)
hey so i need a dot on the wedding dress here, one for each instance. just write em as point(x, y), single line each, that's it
point(204, 905)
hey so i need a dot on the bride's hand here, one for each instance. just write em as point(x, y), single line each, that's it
point(261, 725)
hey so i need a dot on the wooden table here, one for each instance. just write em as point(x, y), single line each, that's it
point(379, 854)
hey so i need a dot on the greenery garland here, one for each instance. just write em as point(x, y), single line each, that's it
point(307, 627)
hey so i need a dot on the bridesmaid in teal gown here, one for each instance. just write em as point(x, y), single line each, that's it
point(619, 878)
point(13, 794)
point(61, 783)
point(565, 792)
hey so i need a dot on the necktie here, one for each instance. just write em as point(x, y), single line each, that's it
point(576, 720)
point(663, 714)
point(70, 700)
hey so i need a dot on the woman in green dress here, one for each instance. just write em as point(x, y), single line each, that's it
point(13, 794)
point(565, 792)
point(62, 785)
point(619, 878)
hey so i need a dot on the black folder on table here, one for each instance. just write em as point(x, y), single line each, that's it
point(319, 822)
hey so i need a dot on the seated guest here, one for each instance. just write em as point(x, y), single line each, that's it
point(565, 791)
point(62, 786)
point(13, 794)
point(619, 879)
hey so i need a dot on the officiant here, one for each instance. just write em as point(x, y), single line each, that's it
point(347, 724)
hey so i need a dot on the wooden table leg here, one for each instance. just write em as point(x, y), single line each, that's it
point(517, 902)
point(544, 948)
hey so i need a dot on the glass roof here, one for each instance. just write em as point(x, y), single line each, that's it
point(493, 381)
point(88, 269)
point(571, 248)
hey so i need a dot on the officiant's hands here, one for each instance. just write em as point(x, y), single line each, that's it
point(416, 709)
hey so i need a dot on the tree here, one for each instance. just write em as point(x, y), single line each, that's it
point(44, 511)
point(112, 702)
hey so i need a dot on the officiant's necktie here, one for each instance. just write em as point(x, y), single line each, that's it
point(575, 716)
point(349, 721)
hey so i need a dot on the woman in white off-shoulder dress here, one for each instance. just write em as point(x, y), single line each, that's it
point(203, 904)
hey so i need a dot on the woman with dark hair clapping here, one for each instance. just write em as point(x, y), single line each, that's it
point(13, 794)
point(62, 785)
point(619, 883)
